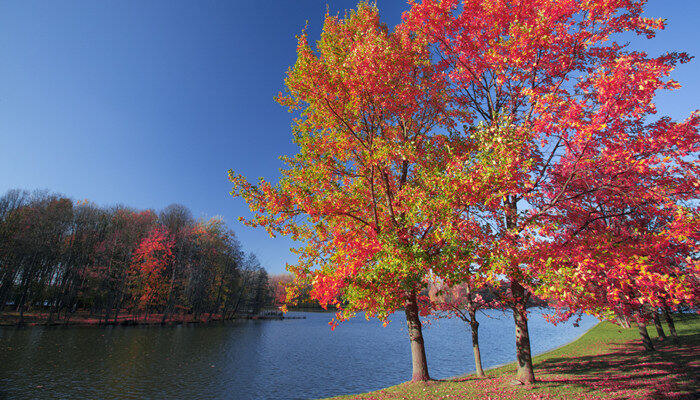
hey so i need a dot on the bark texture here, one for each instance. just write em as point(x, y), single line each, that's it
point(669, 322)
point(475, 344)
point(415, 334)
point(646, 340)
point(525, 372)
point(657, 325)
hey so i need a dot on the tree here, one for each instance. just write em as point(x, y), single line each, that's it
point(149, 263)
point(249, 269)
point(178, 220)
point(628, 266)
point(462, 301)
point(9, 226)
point(550, 77)
point(370, 101)
point(86, 231)
point(220, 258)
point(278, 289)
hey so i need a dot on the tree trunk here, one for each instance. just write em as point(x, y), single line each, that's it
point(108, 312)
point(51, 311)
point(646, 341)
point(169, 304)
point(474, 324)
point(22, 300)
point(415, 334)
point(475, 344)
point(669, 322)
point(623, 321)
point(240, 295)
point(118, 305)
point(217, 302)
point(525, 372)
point(6, 285)
point(116, 315)
point(657, 325)
point(224, 314)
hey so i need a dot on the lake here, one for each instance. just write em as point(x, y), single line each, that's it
point(275, 359)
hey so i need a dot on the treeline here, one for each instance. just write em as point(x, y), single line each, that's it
point(61, 257)
point(301, 299)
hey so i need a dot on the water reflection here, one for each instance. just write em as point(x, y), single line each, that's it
point(290, 359)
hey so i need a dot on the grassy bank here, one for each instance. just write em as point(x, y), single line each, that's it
point(605, 363)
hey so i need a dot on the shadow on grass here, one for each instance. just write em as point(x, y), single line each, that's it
point(671, 372)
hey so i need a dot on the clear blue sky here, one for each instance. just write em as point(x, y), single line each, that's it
point(150, 103)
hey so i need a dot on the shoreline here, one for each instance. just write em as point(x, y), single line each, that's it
point(41, 319)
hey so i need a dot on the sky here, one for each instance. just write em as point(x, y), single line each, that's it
point(151, 103)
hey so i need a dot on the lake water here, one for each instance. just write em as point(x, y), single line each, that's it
point(287, 359)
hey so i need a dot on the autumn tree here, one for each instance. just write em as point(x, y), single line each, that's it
point(178, 221)
point(34, 234)
point(463, 301)
point(550, 77)
point(85, 232)
point(244, 291)
point(12, 201)
point(107, 275)
point(219, 257)
point(260, 293)
point(370, 101)
point(630, 265)
point(278, 288)
point(148, 267)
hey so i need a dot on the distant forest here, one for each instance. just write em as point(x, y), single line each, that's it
point(64, 258)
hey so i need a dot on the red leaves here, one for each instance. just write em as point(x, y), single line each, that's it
point(523, 152)
point(626, 266)
point(149, 261)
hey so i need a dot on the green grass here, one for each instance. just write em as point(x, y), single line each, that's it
point(607, 362)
